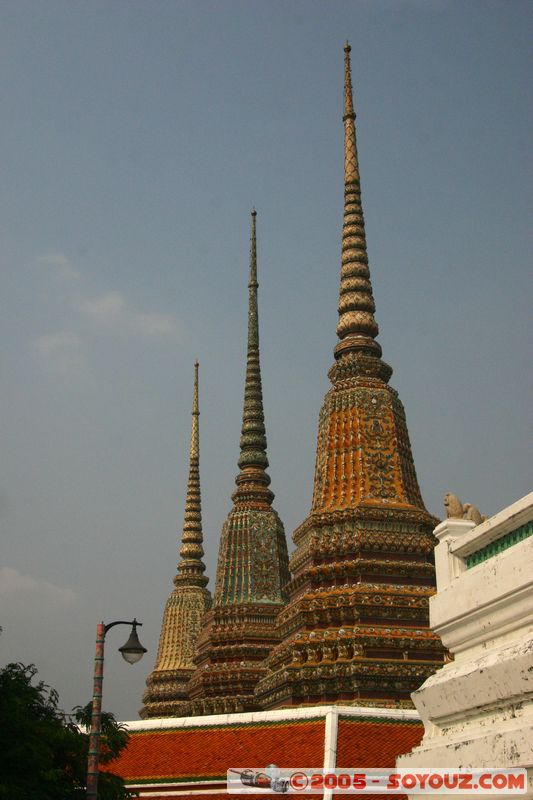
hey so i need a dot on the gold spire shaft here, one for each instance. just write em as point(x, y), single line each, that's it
point(166, 692)
point(357, 327)
point(191, 566)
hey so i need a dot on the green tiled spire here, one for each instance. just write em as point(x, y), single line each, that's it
point(239, 631)
point(253, 480)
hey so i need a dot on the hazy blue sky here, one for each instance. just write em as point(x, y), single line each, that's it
point(135, 138)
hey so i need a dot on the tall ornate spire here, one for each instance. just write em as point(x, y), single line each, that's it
point(357, 329)
point(252, 570)
point(166, 693)
point(253, 480)
point(356, 627)
point(191, 568)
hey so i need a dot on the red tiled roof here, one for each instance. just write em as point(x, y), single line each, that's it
point(375, 743)
point(182, 754)
point(193, 759)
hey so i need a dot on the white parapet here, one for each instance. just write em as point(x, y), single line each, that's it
point(478, 709)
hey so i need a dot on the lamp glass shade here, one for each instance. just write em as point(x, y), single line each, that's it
point(133, 650)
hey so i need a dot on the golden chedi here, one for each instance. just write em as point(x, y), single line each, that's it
point(166, 692)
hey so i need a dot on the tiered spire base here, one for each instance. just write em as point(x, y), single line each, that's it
point(356, 628)
point(240, 630)
point(166, 692)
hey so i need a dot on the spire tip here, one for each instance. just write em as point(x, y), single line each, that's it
point(357, 328)
point(253, 459)
point(347, 48)
point(191, 566)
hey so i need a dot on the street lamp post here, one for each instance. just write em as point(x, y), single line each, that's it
point(132, 651)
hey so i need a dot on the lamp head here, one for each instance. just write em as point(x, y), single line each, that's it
point(133, 650)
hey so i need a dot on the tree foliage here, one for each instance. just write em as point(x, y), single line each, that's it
point(43, 752)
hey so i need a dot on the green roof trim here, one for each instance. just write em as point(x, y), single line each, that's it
point(380, 720)
point(177, 779)
point(269, 723)
point(499, 545)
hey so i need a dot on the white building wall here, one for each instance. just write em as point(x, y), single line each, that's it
point(478, 709)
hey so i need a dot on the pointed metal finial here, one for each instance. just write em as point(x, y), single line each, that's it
point(191, 567)
point(253, 272)
point(351, 166)
point(195, 405)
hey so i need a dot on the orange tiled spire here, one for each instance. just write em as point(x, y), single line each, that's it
point(356, 627)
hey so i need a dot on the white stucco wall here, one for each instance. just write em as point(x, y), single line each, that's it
point(478, 709)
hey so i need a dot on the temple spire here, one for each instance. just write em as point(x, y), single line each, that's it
point(253, 480)
point(355, 630)
point(239, 631)
point(357, 327)
point(166, 686)
point(191, 568)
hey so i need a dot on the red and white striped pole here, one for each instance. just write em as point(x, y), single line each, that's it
point(132, 651)
point(93, 759)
